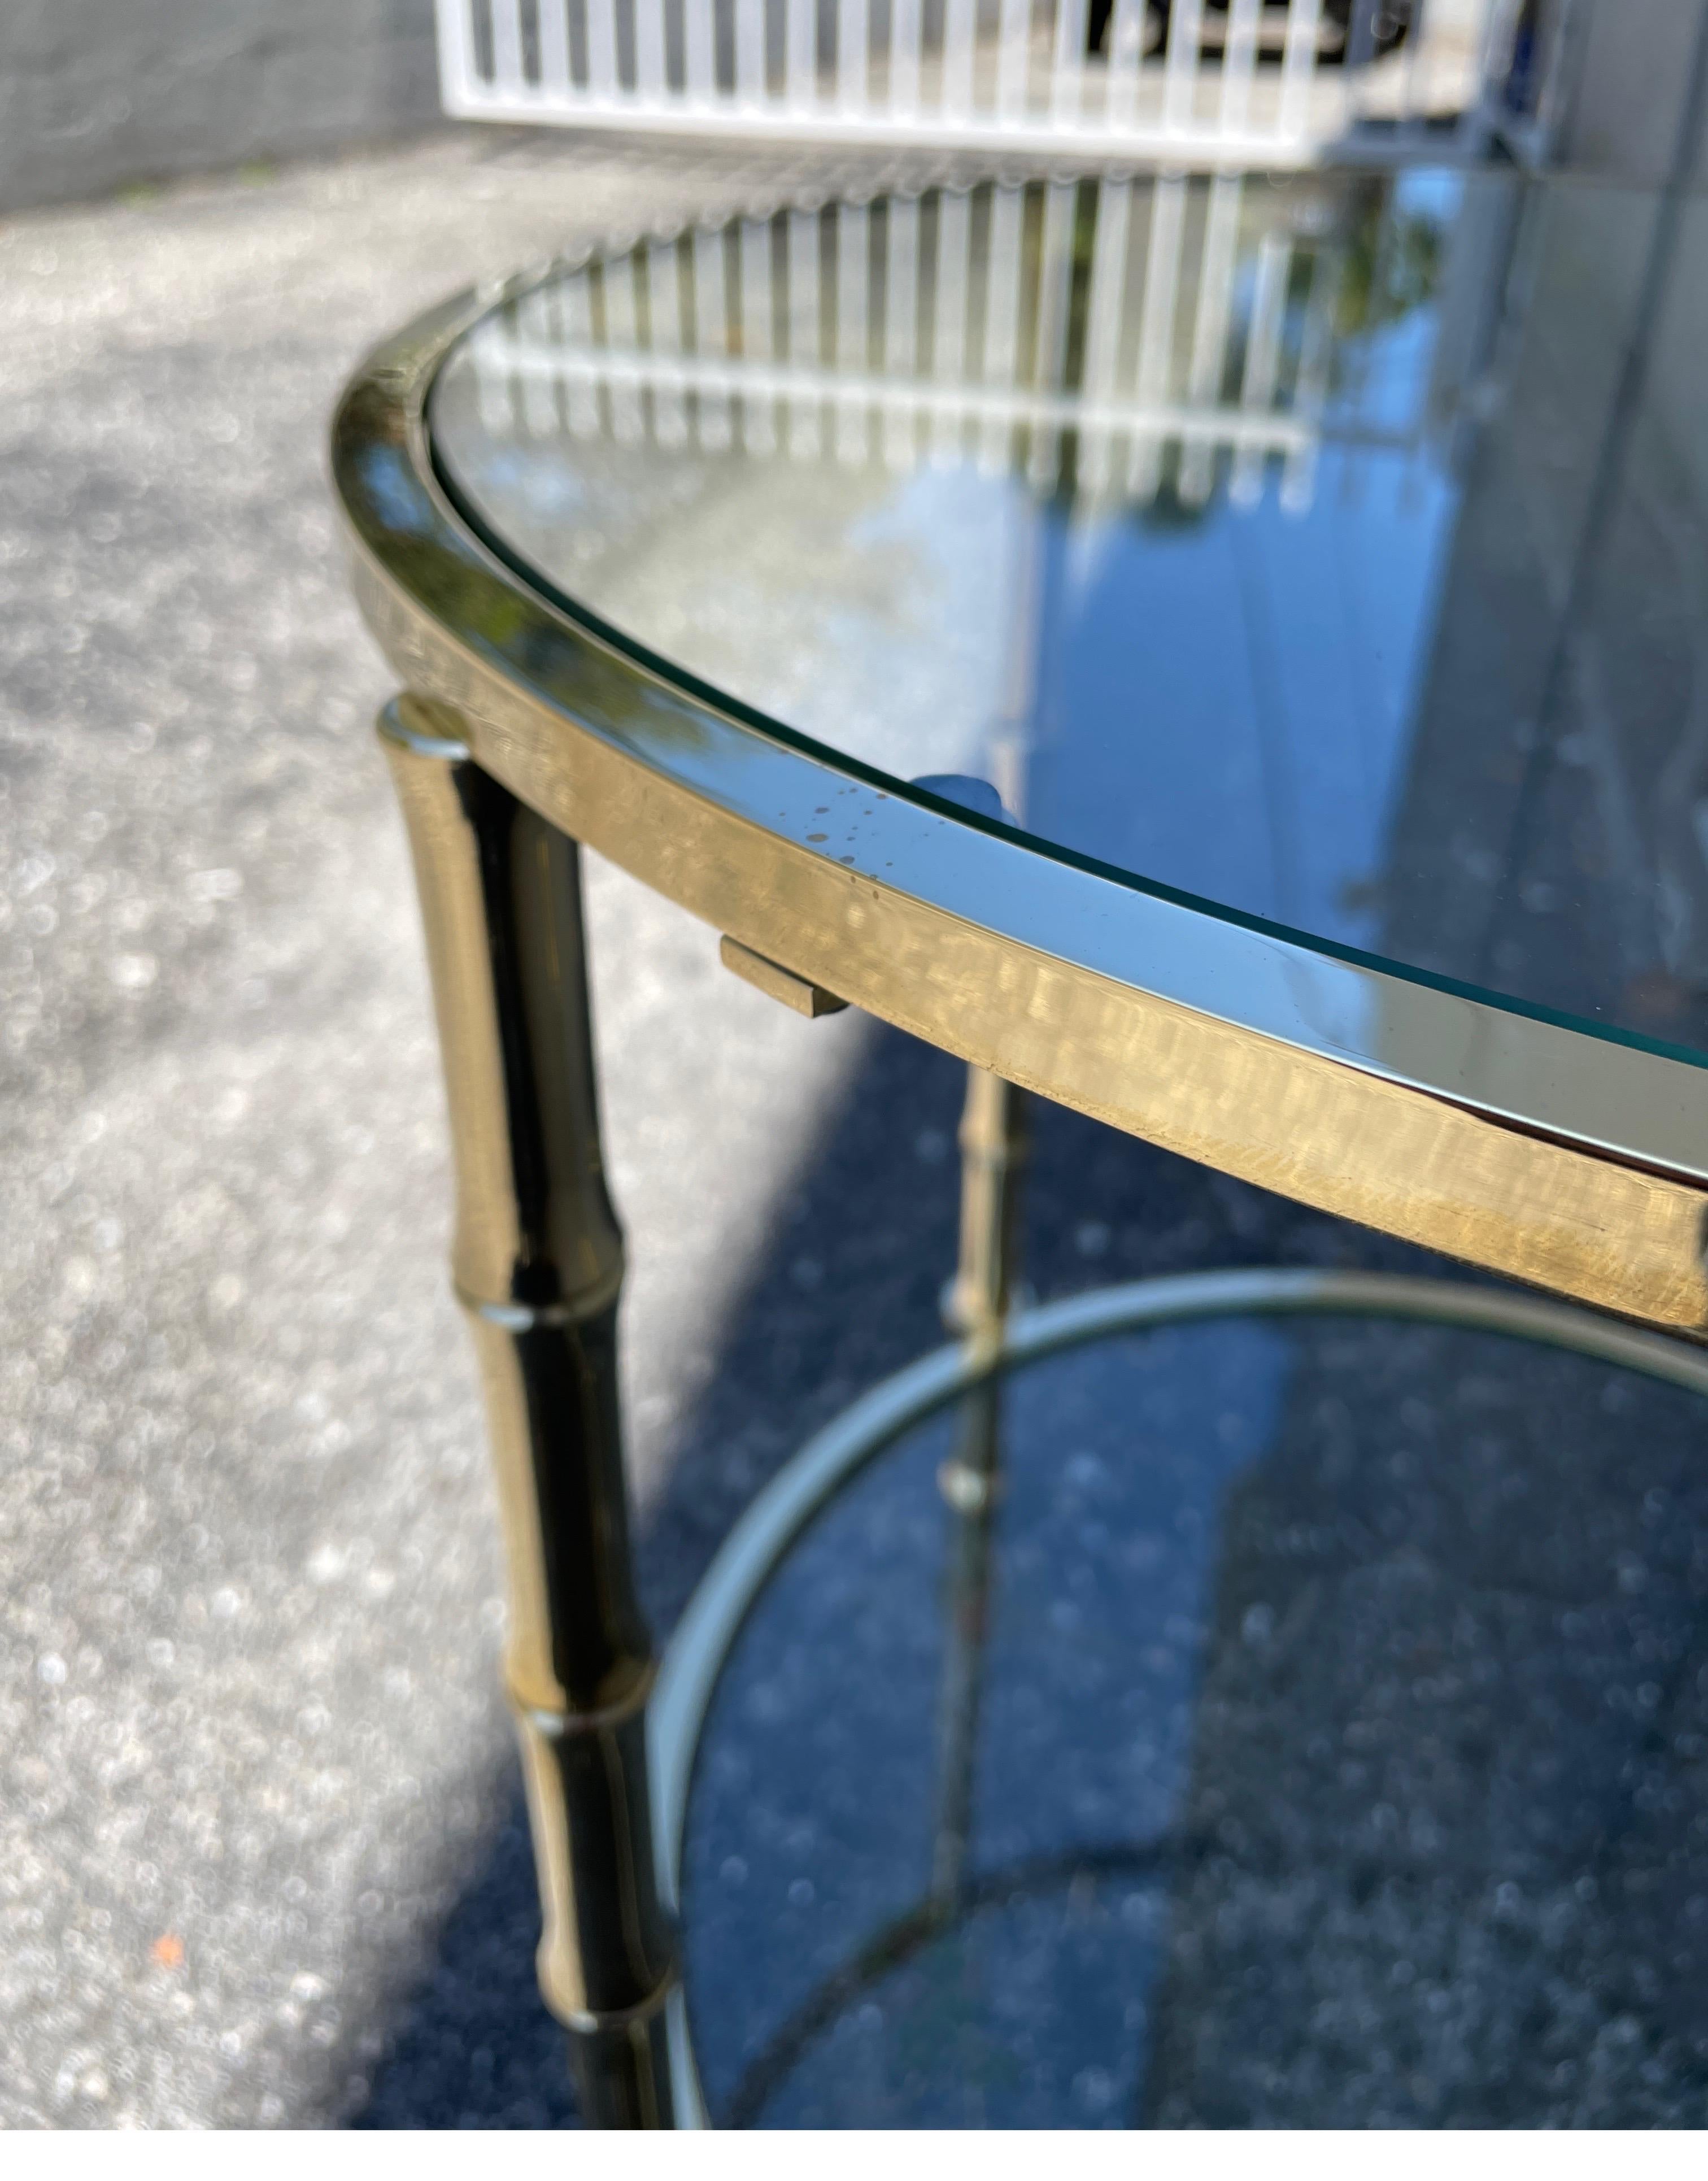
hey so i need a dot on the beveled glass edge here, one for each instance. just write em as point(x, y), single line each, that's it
point(550, 697)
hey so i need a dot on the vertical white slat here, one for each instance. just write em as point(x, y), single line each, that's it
point(1238, 65)
point(758, 334)
point(750, 52)
point(460, 89)
point(1105, 314)
point(557, 343)
point(1181, 68)
point(711, 332)
point(907, 36)
point(1067, 66)
point(801, 54)
point(507, 46)
point(699, 53)
point(534, 340)
point(1414, 66)
point(622, 284)
point(1156, 323)
point(853, 288)
point(998, 364)
point(553, 19)
point(603, 86)
point(1311, 388)
point(1013, 59)
point(853, 55)
point(901, 326)
point(575, 307)
point(1258, 379)
point(1126, 61)
point(806, 330)
point(960, 28)
point(650, 85)
point(1299, 68)
point(495, 392)
point(853, 326)
point(1054, 310)
point(664, 327)
point(1216, 266)
point(949, 317)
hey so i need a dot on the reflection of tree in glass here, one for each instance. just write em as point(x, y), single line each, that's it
point(1392, 263)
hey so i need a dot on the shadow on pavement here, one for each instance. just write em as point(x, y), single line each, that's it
point(848, 1293)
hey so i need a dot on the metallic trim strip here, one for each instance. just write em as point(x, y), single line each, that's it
point(1572, 1159)
point(776, 982)
point(395, 727)
point(696, 1653)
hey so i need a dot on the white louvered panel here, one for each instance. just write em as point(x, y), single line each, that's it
point(1012, 75)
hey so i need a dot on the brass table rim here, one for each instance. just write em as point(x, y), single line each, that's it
point(1569, 1155)
point(704, 1636)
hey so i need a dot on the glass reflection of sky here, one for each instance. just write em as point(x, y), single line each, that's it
point(1223, 705)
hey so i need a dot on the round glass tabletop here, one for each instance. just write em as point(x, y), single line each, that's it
point(1331, 550)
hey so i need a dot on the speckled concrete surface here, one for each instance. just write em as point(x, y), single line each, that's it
point(249, 1593)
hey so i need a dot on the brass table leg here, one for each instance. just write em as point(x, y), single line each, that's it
point(993, 1150)
point(537, 1263)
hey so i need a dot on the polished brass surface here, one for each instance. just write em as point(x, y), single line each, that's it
point(776, 982)
point(1571, 1160)
point(537, 1263)
point(993, 1154)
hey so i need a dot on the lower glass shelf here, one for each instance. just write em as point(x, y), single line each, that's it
point(1307, 1726)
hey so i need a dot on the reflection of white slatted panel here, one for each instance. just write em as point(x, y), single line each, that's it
point(948, 320)
point(665, 322)
point(853, 326)
point(1201, 342)
point(1000, 360)
point(1054, 310)
point(1102, 324)
point(900, 328)
point(712, 332)
point(1216, 269)
point(757, 410)
point(1253, 81)
point(581, 396)
point(1156, 326)
point(621, 282)
point(805, 407)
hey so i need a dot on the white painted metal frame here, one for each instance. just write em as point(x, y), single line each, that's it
point(1252, 82)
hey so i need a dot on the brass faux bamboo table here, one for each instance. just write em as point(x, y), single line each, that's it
point(1178, 644)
